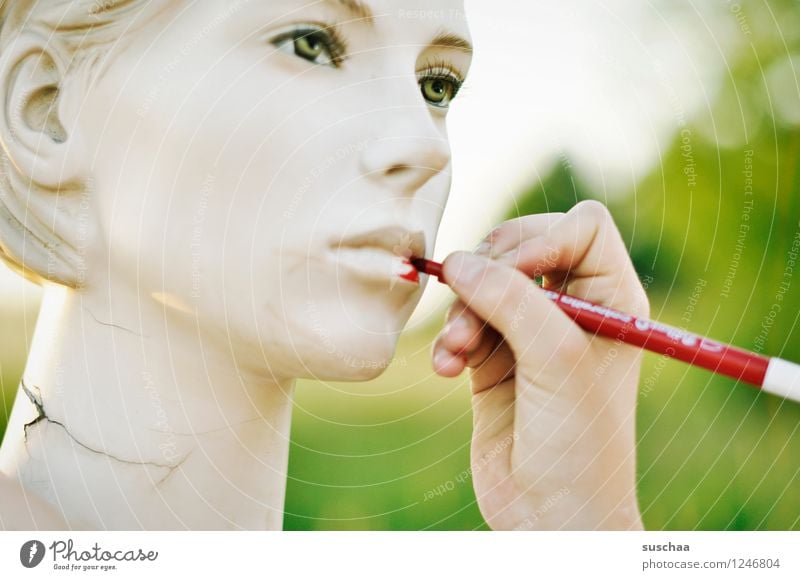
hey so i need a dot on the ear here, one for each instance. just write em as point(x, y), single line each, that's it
point(44, 164)
point(36, 128)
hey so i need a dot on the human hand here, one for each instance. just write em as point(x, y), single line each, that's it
point(553, 442)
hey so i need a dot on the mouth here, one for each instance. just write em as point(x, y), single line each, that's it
point(382, 255)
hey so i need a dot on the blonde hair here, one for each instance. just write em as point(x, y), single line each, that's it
point(78, 33)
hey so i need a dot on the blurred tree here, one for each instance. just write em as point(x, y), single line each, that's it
point(557, 191)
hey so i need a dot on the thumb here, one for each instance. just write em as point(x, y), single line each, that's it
point(538, 332)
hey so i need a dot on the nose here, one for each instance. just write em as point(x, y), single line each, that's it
point(407, 153)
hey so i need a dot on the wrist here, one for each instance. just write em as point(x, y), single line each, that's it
point(566, 511)
point(573, 504)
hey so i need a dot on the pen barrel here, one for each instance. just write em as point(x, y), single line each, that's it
point(663, 339)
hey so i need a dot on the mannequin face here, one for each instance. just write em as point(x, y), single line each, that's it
point(263, 175)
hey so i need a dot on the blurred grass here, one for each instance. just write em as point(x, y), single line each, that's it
point(16, 329)
point(370, 456)
point(714, 455)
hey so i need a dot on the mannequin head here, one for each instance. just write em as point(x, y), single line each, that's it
point(250, 170)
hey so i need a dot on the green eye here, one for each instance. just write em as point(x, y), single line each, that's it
point(316, 45)
point(309, 47)
point(439, 83)
point(439, 91)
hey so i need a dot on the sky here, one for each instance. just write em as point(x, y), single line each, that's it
point(604, 83)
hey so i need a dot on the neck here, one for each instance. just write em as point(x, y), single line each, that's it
point(140, 423)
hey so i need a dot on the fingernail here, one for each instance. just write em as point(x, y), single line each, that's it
point(440, 358)
point(485, 247)
point(465, 268)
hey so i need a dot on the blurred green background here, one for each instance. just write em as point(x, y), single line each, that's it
point(713, 230)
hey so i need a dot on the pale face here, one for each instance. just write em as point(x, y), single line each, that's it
point(269, 165)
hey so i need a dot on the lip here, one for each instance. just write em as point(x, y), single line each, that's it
point(381, 253)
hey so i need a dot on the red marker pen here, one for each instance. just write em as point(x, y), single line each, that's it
point(770, 374)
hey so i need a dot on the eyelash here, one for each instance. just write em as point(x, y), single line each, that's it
point(329, 33)
point(439, 69)
point(435, 68)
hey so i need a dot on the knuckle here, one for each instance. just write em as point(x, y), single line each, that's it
point(593, 209)
point(552, 219)
point(599, 219)
point(539, 219)
point(543, 247)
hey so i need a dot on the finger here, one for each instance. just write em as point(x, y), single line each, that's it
point(454, 351)
point(464, 330)
point(447, 364)
point(492, 361)
point(534, 328)
point(511, 233)
point(496, 365)
point(584, 245)
point(490, 342)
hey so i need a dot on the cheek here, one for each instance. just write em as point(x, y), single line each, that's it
point(308, 332)
point(218, 197)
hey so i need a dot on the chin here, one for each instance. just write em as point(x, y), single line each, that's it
point(364, 358)
point(348, 333)
point(366, 370)
point(364, 365)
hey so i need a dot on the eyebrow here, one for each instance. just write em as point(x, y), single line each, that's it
point(357, 8)
point(449, 40)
